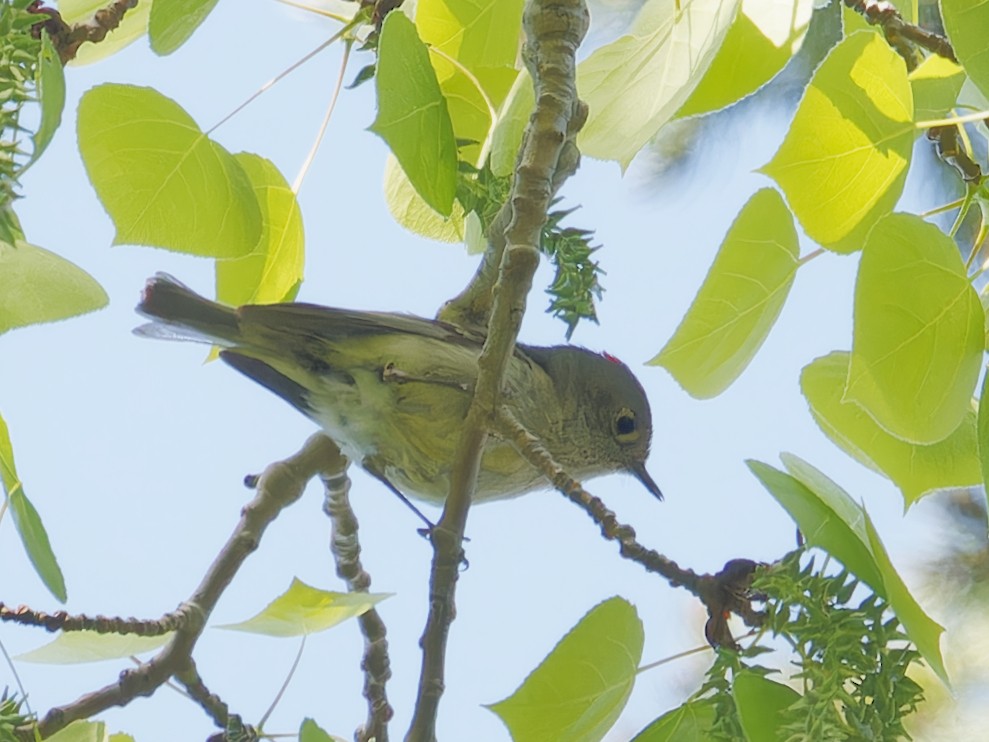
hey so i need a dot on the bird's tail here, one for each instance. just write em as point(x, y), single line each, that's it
point(179, 313)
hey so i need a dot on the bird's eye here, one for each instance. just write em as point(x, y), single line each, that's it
point(626, 429)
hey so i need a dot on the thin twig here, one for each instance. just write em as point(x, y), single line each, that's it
point(721, 593)
point(346, 550)
point(548, 155)
point(280, 485)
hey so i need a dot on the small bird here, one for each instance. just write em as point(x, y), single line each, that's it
point(392, 390)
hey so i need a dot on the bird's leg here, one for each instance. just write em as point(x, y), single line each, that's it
point(372, 467)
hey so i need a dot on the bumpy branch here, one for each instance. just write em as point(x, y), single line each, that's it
point(554, 30)
point(346, 553)
point(280, 485)
point(887, 17)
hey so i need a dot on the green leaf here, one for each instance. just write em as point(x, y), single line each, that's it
point(915, 469)
point(310, 731)
point(303, 610)
point(27, 522)
point(120, 737)
point(936, 83)
point(410, 211)
point(827, 517)
point(81, 647)
point(172, 22)
point(843, 162)
point(131, 28)
point(762, 39)
point(830, 519)
point(690, 722)
point(272, 272)
point(473, 48)
point(81, 731)
point(919, 331)
point(50, 84)
point(162, 180)
point(39, 286)
point(921, 629)
point(759, 702)
point(637, 83)
point(508, 129)
point(739, 301)
point(412, 114)
point(966, 22)
point(578, 691)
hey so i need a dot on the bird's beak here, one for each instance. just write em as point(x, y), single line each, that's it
point(638, 470)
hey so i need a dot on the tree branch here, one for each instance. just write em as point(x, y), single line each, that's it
point(887, 17)
point(547, 156)
point(67, 39)
point(346, 551)
point(280, 485)
point(721, 593)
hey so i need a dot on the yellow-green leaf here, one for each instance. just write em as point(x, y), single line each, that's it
point(637, 83)
point(512, 119)
point(915, 469)
point(172, 22)
point(410, 211)
point(578, 691)
point(762, 39)
point(39, 286)
point(966, 22)
point(79, 647)
point(27, 521)
point(473, 48)
point(81, 731)
point(983, 431)
point(759, 702)
point(272, 272)
point(303, 610)
point(50, 84)
point(413, 118)
point(919, 331)
point(163, 181)
point(132, 27)
point(739, 301)
point(936, 83)
point(831, 520)
point(843, 162)
point(310, 731)
point(690, 722)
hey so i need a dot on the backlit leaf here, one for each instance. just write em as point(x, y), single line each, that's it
point(915, 469)
point(831, 520)
point(412, 114)
point(409, 210)
point(739, 301)
point(27, 522)
point(303, 610)
point(578, 691)
point(936, 84)
point(172, 22)
point(759, 702)
point(919, 331)
point(163, 181)
point(637, 83)
point(761, 40)
point(39, 286)
point(966, 22)
point(690, 722)
point(132, 27)
point(272, 272)
point(843, 162)
point(79, 647)
point(50, 83)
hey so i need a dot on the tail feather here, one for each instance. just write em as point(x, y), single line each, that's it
point(179, 313)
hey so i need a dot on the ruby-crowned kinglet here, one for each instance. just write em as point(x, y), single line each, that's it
point(392, 390)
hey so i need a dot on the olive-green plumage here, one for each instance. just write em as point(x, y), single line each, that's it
point(393, 390)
